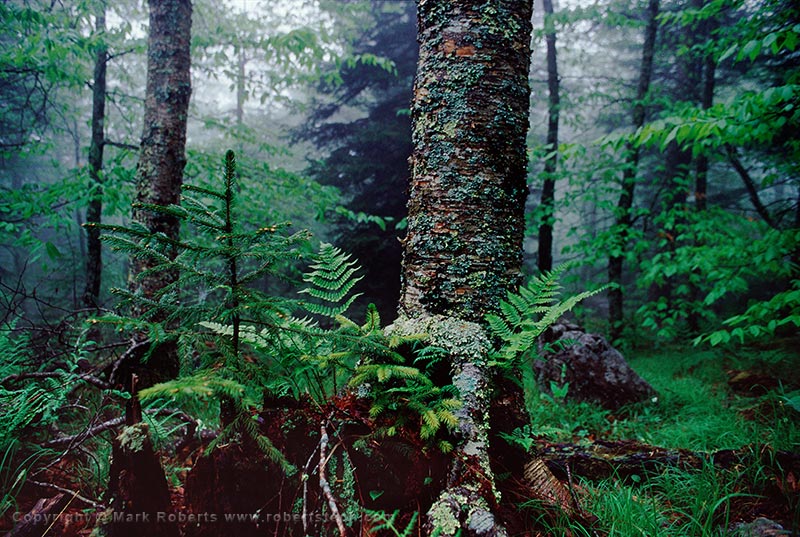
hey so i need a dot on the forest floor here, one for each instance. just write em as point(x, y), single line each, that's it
point(744, 404)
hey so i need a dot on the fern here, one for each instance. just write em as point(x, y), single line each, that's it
point(405, 392)
point(526, 314)
point(389, 523)
point(330, 282)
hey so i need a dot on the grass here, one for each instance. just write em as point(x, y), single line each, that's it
point(695, 410)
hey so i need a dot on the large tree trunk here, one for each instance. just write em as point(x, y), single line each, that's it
point(624, 219)
point(551, 160)
point(470, 118)
point(463, 250)
point(162, 157)
point(94, 260)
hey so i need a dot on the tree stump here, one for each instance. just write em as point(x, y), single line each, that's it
point(140, 498)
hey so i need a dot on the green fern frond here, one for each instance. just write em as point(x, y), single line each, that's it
point(448, 418)
point(331, 279)
point(445, 446)
point(526, 314)
point(372, 323)
point(384, 372)
point(431, 419)
point(376, 410)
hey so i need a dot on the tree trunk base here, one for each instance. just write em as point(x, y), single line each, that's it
point(141, 503)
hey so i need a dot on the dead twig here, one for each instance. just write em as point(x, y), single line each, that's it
point(75, 494)
point(323, 481)
point(91, 432)
point(100, 383)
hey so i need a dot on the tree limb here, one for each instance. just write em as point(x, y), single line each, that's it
point(111, 424)
point(73, 493)
point(121, 145)
point(103, 385)
point(750, 185)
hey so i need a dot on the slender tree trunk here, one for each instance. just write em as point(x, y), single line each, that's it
point(463, 250)
point(241, 64)
point(162, 157)
point(750, 186)
point(94, 260)
point(701, 181)
point(551, 160)
point(624, 218)
point(701, 164)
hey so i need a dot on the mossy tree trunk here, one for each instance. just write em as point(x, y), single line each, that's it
point(470, 118)
point(463, 250)
point(162, 159)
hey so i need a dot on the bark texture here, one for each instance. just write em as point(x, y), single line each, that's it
point(469, 499)
point(463, 249)
point(94, 260)
point(624, 218)
point(162, 158)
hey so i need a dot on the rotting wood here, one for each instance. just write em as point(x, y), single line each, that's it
point(625, 458)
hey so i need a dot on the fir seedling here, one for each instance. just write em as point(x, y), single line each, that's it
point(223, 267)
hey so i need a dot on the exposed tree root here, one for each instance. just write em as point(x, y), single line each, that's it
point(469, 498)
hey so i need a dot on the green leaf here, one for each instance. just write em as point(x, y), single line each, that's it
point(52, 252)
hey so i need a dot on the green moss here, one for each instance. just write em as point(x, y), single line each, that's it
point(133, 438)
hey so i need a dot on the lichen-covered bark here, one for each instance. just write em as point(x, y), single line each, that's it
point(470, 497)
point(463, 249)
point(162, 158)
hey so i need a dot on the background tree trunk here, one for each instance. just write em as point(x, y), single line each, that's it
point(709, 83)
point(463, 250)
point(624, 219)
point(94, 260)
point(551, 160)
point(162, 158)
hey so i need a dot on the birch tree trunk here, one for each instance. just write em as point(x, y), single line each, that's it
point(463, 250)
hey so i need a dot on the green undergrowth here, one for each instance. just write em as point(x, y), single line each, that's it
point(697, 409)
point(675, 503)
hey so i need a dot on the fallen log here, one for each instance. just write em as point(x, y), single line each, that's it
point(625, 458)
